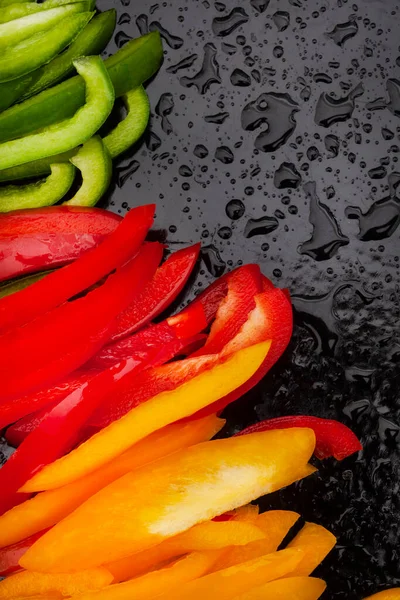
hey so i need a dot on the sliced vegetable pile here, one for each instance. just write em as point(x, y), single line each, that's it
point(116, 488)
point(49, 124)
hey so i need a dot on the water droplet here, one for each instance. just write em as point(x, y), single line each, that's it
point(387, 134)
point(212, 260)
point(125, 172)
point(164, 108)
point(343, 32)
point(228, 48)
point(142, 23)
point(377, 173)
point(125, 18)
point(312, 153)
point(223, 26)
point(153, 142)
point(277, 111)
point(218, 119)
point(208, 74)
point(281, 19)
point(261, 226)
point(121, 38)
point(287, 176)
point(200, 151)
point(240, 78)
point(224, 154)
point(173, 41)
point(225, 233)
point(185, 63)
point(322, 78)
point(332, 145)
point(235, 209)
point(185, 171)
point(393, 90)
point(260, 5)
point(332, 110)
point(326, 238)
point(277, 51)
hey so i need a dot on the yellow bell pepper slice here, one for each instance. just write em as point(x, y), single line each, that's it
point(163, 409)
point(291, 588)
point(159, 501)
point(275, 524)
point(48, 508)
point(28, 583)
point(316, 543)
point(210, 535)
point(392, 594)
point(158, 582)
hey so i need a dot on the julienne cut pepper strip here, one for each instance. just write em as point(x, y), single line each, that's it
point(159, 293)
point(65, 283)
point(72, 132)
point(287, 588)
point(332, 438)
point(37, 239)
point(61, 340)
point(171, 495)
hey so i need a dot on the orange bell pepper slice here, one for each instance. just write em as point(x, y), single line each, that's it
point(230, 583)
point(316, 543)
point(392, 594)
point(205, 536)
point(28, 583)
point(275, 524)
point(158, 412)
point(48, 508)
point(159, 501)
point(291, 588)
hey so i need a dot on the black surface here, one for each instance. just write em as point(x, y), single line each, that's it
point(324, 224)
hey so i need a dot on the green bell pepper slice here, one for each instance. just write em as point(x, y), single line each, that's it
point(23, 9)
point(94, 162)
point(8, 2)
point(40, 48)
point(133, 126)
point(20, 284)
point(18, 30)
point(133, 64)
point(41, 193)
point(91, 40)
point(72, 132)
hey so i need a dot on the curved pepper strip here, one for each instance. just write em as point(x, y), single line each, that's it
point(315, 542)
point(173, 494)
point(64, 338)
point(392, 594)
point(42, 193)
point(333, 438)
point(36, 239)
point(72, 132)
point(159, 293)
point(48, 508)
point(17, 10)
point(290, 588)
point(72, 279)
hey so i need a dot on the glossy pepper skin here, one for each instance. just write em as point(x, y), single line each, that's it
point(59, 286)
point(38, 239)
point(64, 338)
point(333, 438)
point(171, 496)
point(287, 588)
point(159, 293)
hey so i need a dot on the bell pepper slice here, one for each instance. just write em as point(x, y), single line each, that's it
point(94, 162)
point(128, 68)
point(333, 438)
point(11, 11)
point(174, 493)
point(161, 581)
point(14, 32)
point(159, 293)
point(275, 524)
point(392, 594)
point(288, 588)
point(42, 193)
point(9, 557)
point(128, 131)
point(230, 583)
point(11, 91)
point(36, 239)
point(316, 542)
point(28, 583)
point(54, 343)
point(48, 508)
point(211, 535)
point(72, 279)
point(76, 130)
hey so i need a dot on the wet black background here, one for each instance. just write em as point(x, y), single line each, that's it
point(212, 160)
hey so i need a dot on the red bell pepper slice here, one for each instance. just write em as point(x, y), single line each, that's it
point(58, 432)
point(60, 341)
point(39, 239)
point(271, 319)
point(64, 283)
point(17, 432)
point(165, 286)
point(232, 312)
point(10, 555)
point(332, 438)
